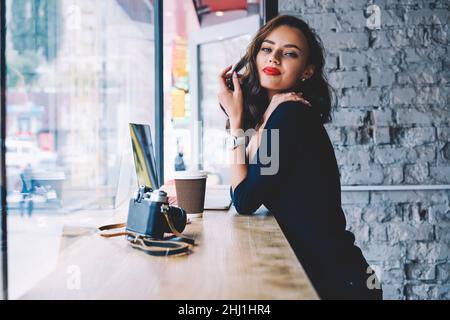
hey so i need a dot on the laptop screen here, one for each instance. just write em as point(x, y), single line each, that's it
point(144, 158)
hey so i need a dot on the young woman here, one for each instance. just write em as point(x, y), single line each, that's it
point(284, 89)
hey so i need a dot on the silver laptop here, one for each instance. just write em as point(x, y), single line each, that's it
point(216, 197)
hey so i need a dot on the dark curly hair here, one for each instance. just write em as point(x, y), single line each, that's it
point(316, 89)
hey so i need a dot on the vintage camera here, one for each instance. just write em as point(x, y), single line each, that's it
point(150, 215)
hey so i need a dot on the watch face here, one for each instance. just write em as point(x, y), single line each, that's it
point(241, 140)
point(233, 142)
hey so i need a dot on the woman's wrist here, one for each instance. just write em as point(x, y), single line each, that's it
point(236, 126)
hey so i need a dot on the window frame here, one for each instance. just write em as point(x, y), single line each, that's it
point(3, 184)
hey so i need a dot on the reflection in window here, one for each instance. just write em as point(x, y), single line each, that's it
point(78, 71)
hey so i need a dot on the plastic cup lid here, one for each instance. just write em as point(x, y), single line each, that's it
point(187, 175)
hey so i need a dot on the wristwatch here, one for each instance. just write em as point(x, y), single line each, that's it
point(233, 142)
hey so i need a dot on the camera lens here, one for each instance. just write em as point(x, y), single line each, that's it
point(178, 218)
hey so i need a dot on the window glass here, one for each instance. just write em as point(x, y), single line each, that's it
point(180, 20)
point(78, 71)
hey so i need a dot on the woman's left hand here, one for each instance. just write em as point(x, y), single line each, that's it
point(231, 100)
point(279, 98)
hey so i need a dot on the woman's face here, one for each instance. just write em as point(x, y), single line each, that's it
point(281, 60)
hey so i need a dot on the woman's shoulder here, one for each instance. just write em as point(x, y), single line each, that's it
point(293, 106)
point(288, 111)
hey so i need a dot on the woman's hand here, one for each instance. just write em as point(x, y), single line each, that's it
point(279, 98)
point(231, 101)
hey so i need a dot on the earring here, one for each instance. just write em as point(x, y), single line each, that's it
point(303, 80)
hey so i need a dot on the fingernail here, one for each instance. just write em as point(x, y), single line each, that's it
point(234, 74)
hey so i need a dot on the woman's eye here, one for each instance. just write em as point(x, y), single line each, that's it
point(289, 54)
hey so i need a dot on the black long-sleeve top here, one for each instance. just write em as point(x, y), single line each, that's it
point(304, 195)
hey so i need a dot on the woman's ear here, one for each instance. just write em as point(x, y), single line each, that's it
point(309, 72)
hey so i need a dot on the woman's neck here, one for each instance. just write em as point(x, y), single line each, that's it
point(270, 94)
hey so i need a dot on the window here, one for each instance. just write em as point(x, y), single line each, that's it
point(180, 20)
point(195, 52)
point(78, 71)
point(214, 56)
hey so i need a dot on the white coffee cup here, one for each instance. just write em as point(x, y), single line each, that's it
point(191, 188)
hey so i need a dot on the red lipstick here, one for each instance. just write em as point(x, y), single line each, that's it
point(271, 71)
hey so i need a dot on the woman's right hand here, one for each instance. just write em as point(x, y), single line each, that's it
point(231, 100)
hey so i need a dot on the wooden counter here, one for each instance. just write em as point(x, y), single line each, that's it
point(235, 257)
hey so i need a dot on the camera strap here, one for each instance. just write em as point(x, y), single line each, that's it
point(112, 227)
point(159, 247)
point(175, 244)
